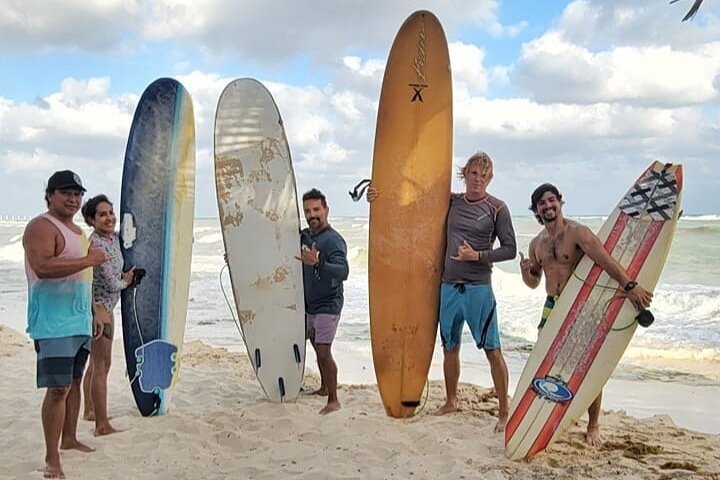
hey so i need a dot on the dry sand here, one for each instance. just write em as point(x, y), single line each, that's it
point(220, 426)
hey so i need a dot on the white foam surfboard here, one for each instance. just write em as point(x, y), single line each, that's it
point(260, 224)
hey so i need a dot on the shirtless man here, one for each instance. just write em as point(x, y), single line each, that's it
point(58, 265)
point(555, 251)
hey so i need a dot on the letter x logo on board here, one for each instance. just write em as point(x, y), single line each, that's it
point(417, 93)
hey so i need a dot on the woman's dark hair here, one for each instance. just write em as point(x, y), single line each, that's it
point(89, 208)
point(537, 195)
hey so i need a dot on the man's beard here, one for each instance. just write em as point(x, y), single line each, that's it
point(545, 219)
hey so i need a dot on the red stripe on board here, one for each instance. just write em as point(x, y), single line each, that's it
point(603, 328)
point(552, 353)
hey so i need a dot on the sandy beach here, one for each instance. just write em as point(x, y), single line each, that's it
point(222, 427)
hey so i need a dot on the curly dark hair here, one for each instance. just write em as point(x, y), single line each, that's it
point(537, 195)
point(89, 208)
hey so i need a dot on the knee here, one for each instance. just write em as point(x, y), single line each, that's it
point(494, 356)
point(101, 365)
point(324, 355)
point(452, 353)
point(57, 394)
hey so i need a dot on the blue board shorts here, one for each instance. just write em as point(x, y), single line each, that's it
point(61, 360)
point(474, 304)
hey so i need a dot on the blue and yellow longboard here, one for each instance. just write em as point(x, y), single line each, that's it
point(156, 213)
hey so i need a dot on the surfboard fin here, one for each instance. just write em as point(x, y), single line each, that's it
point(281, 386)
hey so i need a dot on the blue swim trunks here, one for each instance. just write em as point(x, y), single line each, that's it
point(474, 304)
point(61, 360)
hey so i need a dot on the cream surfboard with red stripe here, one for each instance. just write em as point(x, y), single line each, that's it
point(591, 325)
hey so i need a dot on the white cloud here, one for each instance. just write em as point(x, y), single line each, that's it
point(75, 120)
point(469, 73)
point(552, 69)
point(588, 104)
point(44, 25)
point(497, 29)
point(372, 68)
point(275, 31)
point(598, 23)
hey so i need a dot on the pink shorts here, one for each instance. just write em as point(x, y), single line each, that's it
point(321, 327)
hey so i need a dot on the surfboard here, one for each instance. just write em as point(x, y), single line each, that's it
point(411, 168)
point(156, 229)
point(591, 325)
point(260, 224)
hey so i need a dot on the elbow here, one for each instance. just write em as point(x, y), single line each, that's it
point(42, 271)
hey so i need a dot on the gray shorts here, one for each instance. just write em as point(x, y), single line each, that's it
point(61, 360)
point(321, 327)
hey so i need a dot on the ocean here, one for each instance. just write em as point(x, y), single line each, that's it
point(678, 356)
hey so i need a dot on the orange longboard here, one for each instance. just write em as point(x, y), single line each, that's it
point(412, 164)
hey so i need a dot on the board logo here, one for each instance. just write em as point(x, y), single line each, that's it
point(417, 92)
point(655, 194)
point(418, 65)
point(552, 388)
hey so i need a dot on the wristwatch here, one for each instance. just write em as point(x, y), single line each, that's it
point(630, 285)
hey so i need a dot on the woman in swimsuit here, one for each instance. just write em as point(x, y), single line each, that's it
point(108, 280)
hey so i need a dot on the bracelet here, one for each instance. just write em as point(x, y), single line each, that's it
point(630, 285)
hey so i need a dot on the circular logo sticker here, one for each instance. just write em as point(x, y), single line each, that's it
point(552, 388)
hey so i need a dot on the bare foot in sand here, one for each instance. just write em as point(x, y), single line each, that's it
point(330, 407)
point(76, 445)
point(105, 430)
point(448, 407)
point(500, 425)
point(321, 392)
point(593, 436)
point(53, 471)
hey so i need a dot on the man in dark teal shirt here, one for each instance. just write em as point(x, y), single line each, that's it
point(325, 268)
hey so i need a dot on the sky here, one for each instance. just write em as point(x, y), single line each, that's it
point(583, 94)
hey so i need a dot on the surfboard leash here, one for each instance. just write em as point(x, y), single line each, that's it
point(139, 332)
point(640, 318)
point(359, 190)
point(425, 398)
point(227, 301)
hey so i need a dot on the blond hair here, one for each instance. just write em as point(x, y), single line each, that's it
point(480, 158)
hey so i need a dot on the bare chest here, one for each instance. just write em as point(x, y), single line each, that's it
point(558, 250)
